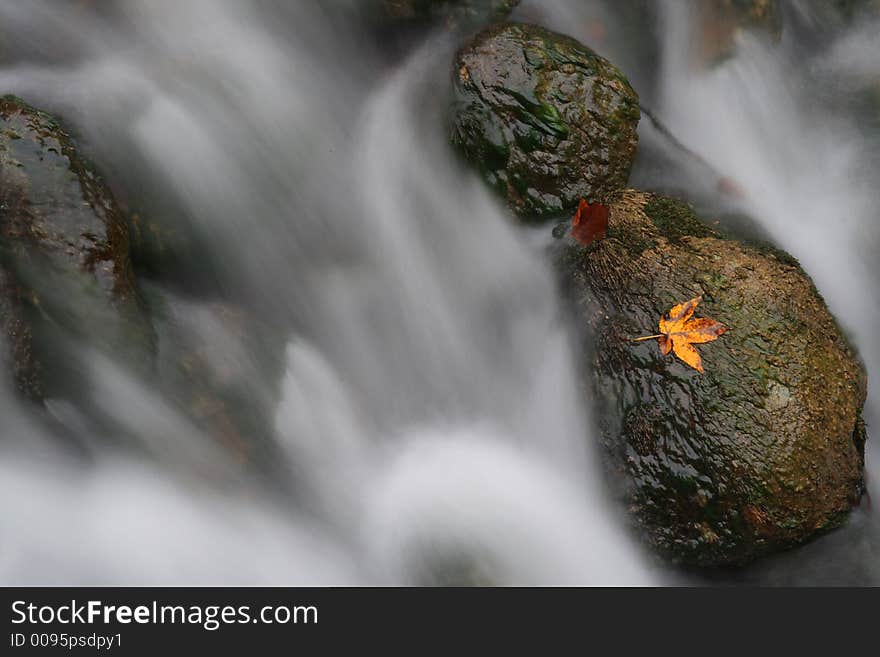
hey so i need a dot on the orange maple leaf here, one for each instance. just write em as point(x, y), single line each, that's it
point(678, 332)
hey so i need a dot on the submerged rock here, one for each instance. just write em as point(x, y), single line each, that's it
point(762, 451)
point(545, 119)
point(720, 21)
point(832, 15)
point(453, 14)
point(219, 364)
point(65, 271)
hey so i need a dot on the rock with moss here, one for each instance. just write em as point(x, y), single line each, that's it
point(451, 14)
point(762, 451)
point(545, 119)
point(65, 272)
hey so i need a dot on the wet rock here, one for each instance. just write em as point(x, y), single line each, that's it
point(837, 14)
point(545, 119)
point(15, 332)
point(65, 272)
point(163, 244)
point(220, 365)
point(762, 451)
point(719, 22)
point(452, 14)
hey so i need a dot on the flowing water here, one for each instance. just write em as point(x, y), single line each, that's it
point(418, 396)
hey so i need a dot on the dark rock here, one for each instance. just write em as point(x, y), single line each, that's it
point(65, 272)
point(762, 451)
point(453, 14)
point(18, 357)
point(836, 14)
point(545, 119)
point(220, 364)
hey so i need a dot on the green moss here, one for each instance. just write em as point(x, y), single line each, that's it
point(676, 219)
point(531, 141)
point(634, 241)
point(539, 115)
point(767, 248)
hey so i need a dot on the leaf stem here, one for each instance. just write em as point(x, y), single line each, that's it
point(648, 337)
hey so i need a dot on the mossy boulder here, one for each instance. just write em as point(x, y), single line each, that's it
point(65, 272)
point(762, 451)
point(545, 119)
point(453, 14)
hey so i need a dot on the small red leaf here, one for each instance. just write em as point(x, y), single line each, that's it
point(590, 222)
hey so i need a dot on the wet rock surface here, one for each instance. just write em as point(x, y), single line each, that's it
point(766, 448)
point(17, 358)
point(64, 254)
point(213, 360)
point(545, 119)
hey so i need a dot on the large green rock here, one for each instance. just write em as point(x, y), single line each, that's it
point(762, 451)
point(545, 119)
point(65, 272)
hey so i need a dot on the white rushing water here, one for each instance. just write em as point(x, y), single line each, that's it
point(427, 413)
